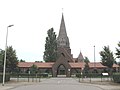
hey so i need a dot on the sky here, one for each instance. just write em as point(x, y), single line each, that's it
point(88, 23)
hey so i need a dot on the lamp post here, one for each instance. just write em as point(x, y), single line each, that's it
point(94, 58)
point(4, 67)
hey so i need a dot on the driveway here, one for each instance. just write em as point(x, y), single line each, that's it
point(58, 84)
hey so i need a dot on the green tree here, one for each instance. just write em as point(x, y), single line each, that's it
point(107, 57)
point(118, 52)
point(1, 59)
point(33, 69)
point(86, 68)
point(22, 60)
point(86, 60)
point(11, 59)
point(50, 53)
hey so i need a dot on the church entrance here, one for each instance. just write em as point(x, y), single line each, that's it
point(61, 71)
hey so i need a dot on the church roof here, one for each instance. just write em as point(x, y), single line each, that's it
point(96, 65)
point(38, 64)
point(77, 65)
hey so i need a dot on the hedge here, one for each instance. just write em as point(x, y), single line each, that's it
point(26, 75)
point(116, 77)
point(92, 75)
point(78, 75)
point(7, 78)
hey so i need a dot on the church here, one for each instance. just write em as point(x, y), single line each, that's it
point(65, 64)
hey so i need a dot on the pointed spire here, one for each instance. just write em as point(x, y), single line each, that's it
point(80, 57)
point(62, 27)
point(62, 39)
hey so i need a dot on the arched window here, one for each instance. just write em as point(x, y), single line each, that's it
point(63, 54)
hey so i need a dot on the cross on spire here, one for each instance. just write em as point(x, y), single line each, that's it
point(62, 10)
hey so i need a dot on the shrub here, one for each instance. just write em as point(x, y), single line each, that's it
point(26, 75)
point(88, 75)
point(116, 77)
point(78, 75)
point(44, 75)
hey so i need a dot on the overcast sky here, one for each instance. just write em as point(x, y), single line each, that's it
point(88, 23)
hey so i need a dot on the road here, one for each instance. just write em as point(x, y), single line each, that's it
point(58, 84)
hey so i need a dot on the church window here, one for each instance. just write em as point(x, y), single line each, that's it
point(63, 54)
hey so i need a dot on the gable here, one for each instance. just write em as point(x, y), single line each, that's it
point(61, 61)
point(63, 51)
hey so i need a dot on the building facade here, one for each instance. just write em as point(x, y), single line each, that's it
point(65, 64)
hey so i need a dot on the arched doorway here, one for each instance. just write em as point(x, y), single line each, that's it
point(61, 70)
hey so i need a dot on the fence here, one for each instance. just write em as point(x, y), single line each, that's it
point(93, 77)
point(24, 77)
point(7, 77)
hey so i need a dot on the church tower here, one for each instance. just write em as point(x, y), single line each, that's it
point(63, 44)
point(62, 66)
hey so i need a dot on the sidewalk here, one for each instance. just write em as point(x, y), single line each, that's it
point(105, 84)
point(13, 84)
point(9, 85)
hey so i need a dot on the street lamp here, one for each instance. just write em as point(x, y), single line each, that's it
point(5, 56)
point(94, 59)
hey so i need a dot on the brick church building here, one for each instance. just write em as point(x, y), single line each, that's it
point(66, 64)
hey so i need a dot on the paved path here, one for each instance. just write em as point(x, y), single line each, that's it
point(58, 84)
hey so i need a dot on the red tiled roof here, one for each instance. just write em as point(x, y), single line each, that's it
point(82, 65)
point(38, 64)
point(96, 65)
point(72, 64)
point(115, 65)
point(99, 65)
point(25, 64)
point(77, 65)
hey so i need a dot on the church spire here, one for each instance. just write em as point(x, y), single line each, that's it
point(62, 27)
point(62, 39)
point(80, 57)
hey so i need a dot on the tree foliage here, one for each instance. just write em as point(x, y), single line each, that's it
point(107, 57)
point(86, 67)
point(11, 59)
point(1, 59)
point(21, 60)
point(86, 60)
point(50, 53)
point(118, 50)
point(33, 69)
